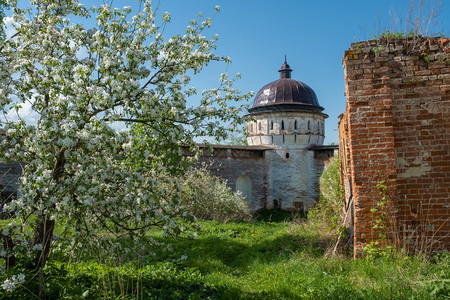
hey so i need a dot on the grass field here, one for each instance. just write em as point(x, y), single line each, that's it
point(269, 258)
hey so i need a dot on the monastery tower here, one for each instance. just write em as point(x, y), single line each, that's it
point(286, 115)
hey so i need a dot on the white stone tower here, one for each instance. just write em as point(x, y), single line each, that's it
point(287, 116)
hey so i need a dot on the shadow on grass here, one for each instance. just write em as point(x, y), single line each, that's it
point(159, 281)
point(226, 260)
point(234, 249)
point(210, 253)
point(278, 216)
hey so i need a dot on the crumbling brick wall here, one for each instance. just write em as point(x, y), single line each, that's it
point(396, 127)
point(344, 158)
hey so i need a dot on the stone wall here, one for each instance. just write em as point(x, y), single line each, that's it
point(271, 176)
point(9, 183)
point(396, 127)
point(9, 179)
point(289, 178)
point(247, 163)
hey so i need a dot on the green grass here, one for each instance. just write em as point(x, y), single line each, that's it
point(244, 260)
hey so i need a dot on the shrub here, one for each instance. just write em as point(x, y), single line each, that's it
point(208, 197)
point(326, 213)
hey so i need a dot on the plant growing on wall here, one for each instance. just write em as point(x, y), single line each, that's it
point(383, 222)
point(80, 172)
point(421, 19)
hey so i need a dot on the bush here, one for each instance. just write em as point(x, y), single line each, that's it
point(327, 212)
point(208, 197)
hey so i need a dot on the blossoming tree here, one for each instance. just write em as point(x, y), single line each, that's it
point(2, 7)
point(79, 172)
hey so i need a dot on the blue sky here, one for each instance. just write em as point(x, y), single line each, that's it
point(313, 34)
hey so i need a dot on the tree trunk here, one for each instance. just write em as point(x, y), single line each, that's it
point(43, 236)
point(8, 244)
point(44, 230)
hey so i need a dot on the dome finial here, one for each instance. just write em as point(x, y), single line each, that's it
point(285, 71)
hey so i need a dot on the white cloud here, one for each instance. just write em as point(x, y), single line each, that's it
point(25, 113)
point(118, 126)
point(9, 28)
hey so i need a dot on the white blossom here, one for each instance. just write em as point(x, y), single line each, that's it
point(10, 284)
point(37, 247)
point(78, 168)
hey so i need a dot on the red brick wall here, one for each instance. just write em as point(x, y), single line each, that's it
point(396, 128)
point(344, 158)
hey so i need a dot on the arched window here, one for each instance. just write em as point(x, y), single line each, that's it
point(282, 125)
point(309, 125)
point(295, 125)
point(259, 125)
point(271, 125)
point(275, 204)
point(244, 185)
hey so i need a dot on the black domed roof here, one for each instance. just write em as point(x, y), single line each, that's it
point(285, 94)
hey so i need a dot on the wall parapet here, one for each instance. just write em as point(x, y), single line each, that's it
point(430, 49)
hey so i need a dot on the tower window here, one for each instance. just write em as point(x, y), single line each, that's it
point(287, 155)
point(309, 125)
point(282, 125)
point(259, 125)
point(271, 125)
point(295, 125)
